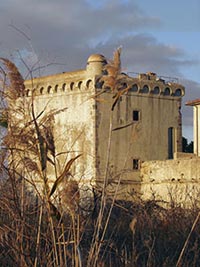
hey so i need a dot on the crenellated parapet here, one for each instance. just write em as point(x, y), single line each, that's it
point(62, 87)
point(76, 81)
point(150, 84)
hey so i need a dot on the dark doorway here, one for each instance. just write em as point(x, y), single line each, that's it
point(171, 143)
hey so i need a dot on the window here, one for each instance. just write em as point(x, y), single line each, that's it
point(178, 92)
point(167, 91)
point(136, 115)
point(170, 143)
point(63, 86)
point(145, 89)
point(80, 84)
point(156, 90)
point(134, 88)
point(89, 84)
point(56, 88)
point(72, 86)
point(49, 89)
point(136, 164)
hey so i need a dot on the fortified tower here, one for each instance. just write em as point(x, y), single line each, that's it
point(146, 122)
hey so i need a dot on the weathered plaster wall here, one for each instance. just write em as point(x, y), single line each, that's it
point(146, 139)
point(196, 124)
point(72, 96)
point(173, 181)
point(74, 127)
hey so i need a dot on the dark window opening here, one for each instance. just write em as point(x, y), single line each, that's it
point(136, 115)
point(178, 92)
point(145, 89)
point(72, 86)
point(170, 143)
point(167, 91)
point(136, 164)
point(134, 88)
point(156, 90)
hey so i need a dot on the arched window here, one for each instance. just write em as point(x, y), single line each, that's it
point(123, 86)
point(167, 91)
point(72, 85)
point(56, 88)
point(145, 89)
point(88, 84)
point(28, 92)
point(156, 90)
point(178, 92)
point(41, 90)
point(63, 86)
point(134, 88)
point(49, 89)
point(80, 84)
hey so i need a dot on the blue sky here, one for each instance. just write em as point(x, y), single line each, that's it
point(56, 36)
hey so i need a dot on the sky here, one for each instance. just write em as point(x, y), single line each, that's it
point(48, 36)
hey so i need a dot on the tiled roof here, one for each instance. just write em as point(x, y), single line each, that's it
point(193, 102)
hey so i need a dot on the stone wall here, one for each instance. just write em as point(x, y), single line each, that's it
point(172, 181)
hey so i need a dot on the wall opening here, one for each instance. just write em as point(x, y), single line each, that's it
point(63, 86)
point(80, 84)
point(145, 89)
point(170, 143)
point(72, 85)
point(136, 115)
point(49, 89)
point(167, 91)
point(134, 88)
point(156, 90)
point(178, 92)
point(136, 164)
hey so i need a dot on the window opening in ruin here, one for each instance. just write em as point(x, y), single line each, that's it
point(136, 164)
point(136, 115)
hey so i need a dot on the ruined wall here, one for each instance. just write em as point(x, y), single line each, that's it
point(172, 181)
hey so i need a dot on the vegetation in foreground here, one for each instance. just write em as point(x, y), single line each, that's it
point(136, 235)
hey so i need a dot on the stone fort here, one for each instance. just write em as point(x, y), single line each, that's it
point(140, 147)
